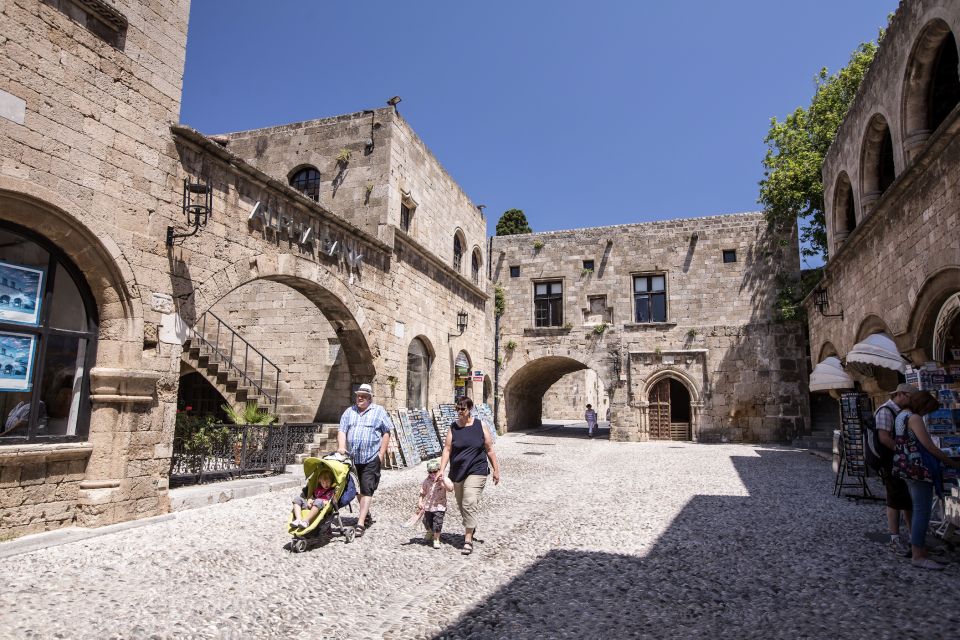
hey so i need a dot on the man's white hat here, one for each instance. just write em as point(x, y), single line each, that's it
point(365, 388)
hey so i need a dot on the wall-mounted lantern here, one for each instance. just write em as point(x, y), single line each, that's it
point(462, 319)
point(197, 206)
point(821, 301)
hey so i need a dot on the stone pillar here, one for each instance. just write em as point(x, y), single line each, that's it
point(124, 479)
point(695, 409)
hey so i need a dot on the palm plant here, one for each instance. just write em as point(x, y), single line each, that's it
point(250, 414)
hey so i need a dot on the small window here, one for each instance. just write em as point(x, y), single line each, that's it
point(650, 298)
point(515, 272)
point(548, 304)
point(588, 265)
point(307, 182)
point(729, 255)
point(457, 253)
point(406, 214)
point(475, 266)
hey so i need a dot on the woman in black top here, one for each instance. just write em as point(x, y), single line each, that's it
point(467, 449)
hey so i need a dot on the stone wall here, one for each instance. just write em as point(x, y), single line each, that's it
point(568, 398)
point(86, 160)
point(743, 370)
point(899, 266)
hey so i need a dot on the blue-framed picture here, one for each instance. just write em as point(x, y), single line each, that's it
point(21, 291)
point(16, 361)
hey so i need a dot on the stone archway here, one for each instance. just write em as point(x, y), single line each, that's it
point(523, 394)
point(321, 349)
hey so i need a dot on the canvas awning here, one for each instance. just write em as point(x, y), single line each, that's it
point(828, 375)
point(878, 350)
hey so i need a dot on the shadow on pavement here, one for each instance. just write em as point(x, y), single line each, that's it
point(766, 565)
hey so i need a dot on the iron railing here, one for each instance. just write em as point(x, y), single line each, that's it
point(224, 346)
point(227, 451)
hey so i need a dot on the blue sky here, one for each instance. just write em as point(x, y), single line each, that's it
point(581, 114)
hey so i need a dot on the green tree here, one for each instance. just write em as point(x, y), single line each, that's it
point(792, 187)
point(513, 222)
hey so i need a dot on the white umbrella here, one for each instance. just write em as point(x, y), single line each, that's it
point(829, 374)
point(877, 350)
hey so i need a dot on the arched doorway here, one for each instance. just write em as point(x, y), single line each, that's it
point(418, 374)
point(462, 382)
point(669, 410)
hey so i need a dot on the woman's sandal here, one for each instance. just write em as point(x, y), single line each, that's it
point(467, 548)
point(358, 531)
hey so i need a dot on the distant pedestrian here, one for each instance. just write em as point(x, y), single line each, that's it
point(467, 449)
point(365, 433)
point(433, 501)
point(918, 461)
point(591, 417)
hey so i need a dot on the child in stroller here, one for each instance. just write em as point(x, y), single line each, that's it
point(343, 485)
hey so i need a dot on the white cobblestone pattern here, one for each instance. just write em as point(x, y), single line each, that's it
point(586, 539)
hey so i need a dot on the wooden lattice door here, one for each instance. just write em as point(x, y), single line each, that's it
point(659, 411)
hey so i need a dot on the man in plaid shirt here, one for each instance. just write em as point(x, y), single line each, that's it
point(365, 433)
point(898, 496)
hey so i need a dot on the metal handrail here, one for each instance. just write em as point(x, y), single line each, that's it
point(229, 360)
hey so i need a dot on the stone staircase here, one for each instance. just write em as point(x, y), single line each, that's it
point(324, 442)
point(820, 440)
point(204, 352)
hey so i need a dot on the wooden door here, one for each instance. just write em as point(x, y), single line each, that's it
point(659, 410)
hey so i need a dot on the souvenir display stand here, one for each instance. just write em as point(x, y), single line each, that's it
point(855, 410)
point(944, 427)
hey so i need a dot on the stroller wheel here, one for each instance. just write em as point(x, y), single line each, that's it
point(299, 545)
point(348, 534)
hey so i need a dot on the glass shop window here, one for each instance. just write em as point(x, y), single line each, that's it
point(48, 333)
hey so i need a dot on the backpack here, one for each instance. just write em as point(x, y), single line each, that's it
point(875, 454)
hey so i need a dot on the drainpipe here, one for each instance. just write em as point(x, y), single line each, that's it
point(496, 370)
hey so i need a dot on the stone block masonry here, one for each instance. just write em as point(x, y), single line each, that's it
point(709, 326)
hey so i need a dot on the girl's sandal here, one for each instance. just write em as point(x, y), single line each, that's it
point(358, 531)
point(467, 548)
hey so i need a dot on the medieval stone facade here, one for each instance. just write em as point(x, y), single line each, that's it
point(676, 318)
point(336, 290)
point(891, 183)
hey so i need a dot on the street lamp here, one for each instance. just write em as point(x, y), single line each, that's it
point(462, 319)
point(197, 206)
point(821, 301)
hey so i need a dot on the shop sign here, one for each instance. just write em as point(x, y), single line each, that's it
point(462, 365)
point(478, 376)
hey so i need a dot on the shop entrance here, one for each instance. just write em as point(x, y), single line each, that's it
point(669, 411)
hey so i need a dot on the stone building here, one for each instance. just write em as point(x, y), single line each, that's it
point(890, 293)
point(338, 248)
point(675, 318)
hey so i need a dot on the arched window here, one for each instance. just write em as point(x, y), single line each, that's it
point(457, 252)
point(47, 342)
point(844, 213)
point(475, 263)
point(418, 375)
point(307, 182)
point(932, 84)
point(945, 83)
point(877, 168)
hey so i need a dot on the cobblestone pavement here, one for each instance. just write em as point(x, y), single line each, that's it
point(582, 539)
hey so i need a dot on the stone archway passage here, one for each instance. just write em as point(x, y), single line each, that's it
point(669, 411)
point(524, 391)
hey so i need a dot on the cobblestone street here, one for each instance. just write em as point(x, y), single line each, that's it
point(582, 539)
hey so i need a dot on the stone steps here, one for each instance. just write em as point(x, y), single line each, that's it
point(819, 440)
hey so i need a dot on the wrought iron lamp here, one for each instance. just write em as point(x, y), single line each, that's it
point(197, 205)
point(820, 301)
point(462, 319)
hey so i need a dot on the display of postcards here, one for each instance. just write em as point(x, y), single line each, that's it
point(424, 435)
point(393, 450)
point(950, 441)
point(21, 289)
point(443, 415)
point(16, 361)
point(404, 439)
point(485, 413)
